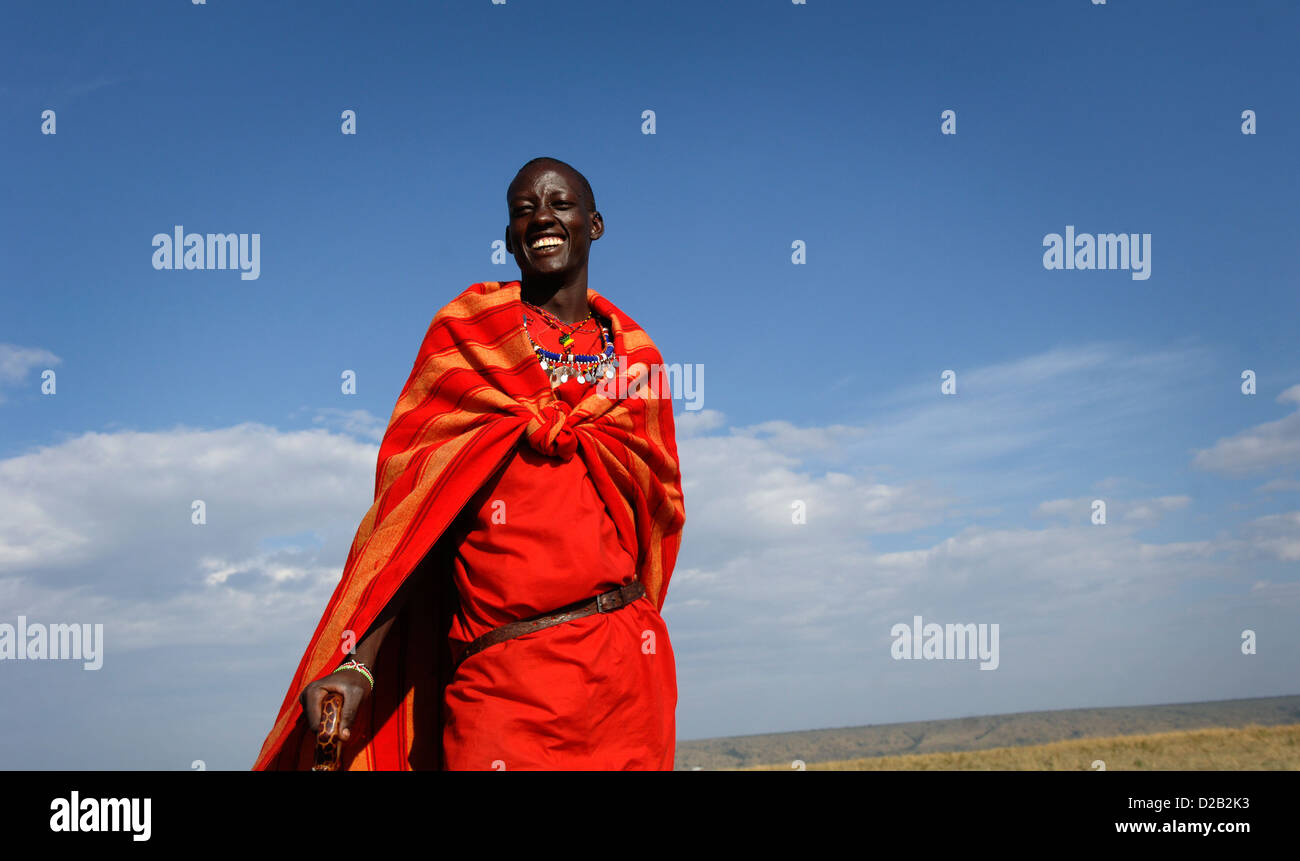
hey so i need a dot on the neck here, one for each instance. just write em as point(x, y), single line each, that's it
point(565, 298)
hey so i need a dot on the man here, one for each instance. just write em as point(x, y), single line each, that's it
point(499, 608)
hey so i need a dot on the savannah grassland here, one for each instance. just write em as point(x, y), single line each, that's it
point(1261, 733)
point(1252, 748)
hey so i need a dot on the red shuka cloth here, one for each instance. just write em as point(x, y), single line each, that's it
point(594, 693)
point(475, 393)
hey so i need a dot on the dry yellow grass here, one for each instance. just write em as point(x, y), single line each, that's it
point(1250, 748)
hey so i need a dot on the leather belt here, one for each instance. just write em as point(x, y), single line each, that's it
point(606, 602)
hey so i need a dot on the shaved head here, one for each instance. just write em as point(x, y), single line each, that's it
point(547, 161)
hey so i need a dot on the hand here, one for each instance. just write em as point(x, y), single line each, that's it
point(350, 684)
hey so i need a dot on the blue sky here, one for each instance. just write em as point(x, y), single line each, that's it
point(775, 123)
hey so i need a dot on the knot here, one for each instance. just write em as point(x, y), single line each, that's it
point(550, 433)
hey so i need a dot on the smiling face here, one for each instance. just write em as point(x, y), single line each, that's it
point(551, 228)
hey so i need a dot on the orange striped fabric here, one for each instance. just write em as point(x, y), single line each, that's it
point(475, 392)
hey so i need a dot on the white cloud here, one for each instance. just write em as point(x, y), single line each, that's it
point(1271, 445)
point(692, 422)
point(358, 423)
point(1276, 535)
point(1139, 512)
point(97, 528)
point(1150, 511)
point(1027, 425)
point(17, 362)
point(1278, 485)
point(101, 524)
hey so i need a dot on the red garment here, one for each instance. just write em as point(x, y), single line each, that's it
point(475, 392)
point(594, 693)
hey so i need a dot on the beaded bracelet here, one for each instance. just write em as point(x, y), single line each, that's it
point(360, 668)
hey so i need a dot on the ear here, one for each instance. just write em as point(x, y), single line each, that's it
point(508, 248)
point(597, 225)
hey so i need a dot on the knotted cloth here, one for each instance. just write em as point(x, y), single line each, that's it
point(476, 389)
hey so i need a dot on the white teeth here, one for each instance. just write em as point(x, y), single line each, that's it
point(547, 241)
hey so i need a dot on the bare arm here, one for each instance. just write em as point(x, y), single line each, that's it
point(352, 684)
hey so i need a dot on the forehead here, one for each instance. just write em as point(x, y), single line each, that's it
point(543, 178)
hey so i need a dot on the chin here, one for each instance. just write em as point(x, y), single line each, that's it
point(553, 270)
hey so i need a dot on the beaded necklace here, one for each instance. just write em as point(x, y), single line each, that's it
point(560, 366)
point(555, 322)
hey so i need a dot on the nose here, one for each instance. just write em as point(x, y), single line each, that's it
point(542, 219)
